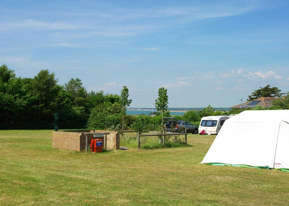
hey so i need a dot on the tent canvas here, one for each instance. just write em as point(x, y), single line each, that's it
point(257, 138)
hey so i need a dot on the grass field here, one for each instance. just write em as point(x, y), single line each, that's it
point(32, 173)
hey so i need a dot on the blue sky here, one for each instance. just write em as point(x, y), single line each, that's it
point(205, 52)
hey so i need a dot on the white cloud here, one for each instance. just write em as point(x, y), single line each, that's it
point(265, 75)
point(236, 79)
point(177, 84)
point(65, 45)
point(192, 12)
point(110, 86)
point(241, 73)
point(21, 62)
point(37, 25)
point(152, 49)
point(126, 22)
point(234, 72)
point(238, 71)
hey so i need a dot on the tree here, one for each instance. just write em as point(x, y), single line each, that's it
point(44, 92)
point(5, 74)
point(192, 116)
point(125, 102)
point(95, 98)
point(161, 103)
point(208, 111)
point(75, 88)
point(141, 123)
point(266, 91)
point(106, 115)
point(45, 88)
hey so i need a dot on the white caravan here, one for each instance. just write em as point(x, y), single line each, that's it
point(212, 124)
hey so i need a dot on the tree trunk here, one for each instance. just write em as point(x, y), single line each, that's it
point(138, 140)
point(186, 136)
point(163, 128)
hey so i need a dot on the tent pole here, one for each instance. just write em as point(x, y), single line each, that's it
point(275, 153)
point(278, 141)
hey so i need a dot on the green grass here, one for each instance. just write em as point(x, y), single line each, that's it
point(32, 173)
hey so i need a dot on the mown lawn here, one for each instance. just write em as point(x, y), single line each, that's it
point(32, 173)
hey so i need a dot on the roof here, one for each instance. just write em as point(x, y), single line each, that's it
point(262, 101)
point(214, 117)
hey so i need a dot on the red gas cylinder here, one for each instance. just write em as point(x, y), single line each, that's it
point(98, 145)
point(92, 145)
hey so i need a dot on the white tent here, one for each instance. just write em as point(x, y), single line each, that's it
point(257, 138)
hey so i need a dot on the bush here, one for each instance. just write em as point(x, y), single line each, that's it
point(192, 116)
point(105, 116)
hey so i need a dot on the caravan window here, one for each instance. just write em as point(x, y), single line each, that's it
point(209, 123)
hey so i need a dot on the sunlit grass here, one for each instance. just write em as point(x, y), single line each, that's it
point(33, 173)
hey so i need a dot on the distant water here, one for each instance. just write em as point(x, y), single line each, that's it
point(174, 111)
point(145, 112)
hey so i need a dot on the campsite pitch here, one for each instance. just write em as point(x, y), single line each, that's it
point(32, 173)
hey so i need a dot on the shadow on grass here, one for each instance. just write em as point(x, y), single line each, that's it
point(74, 130)
point(94, 153)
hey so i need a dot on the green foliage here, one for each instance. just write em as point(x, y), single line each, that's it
point(129, 120)
point(95, 98)
point(75, 88)
point(266, 91)
point(33, 102)
point(282, 103)
point(113, 98)
point(192, 116)
point(208, 111)
point(105, 116)
point(161, 103)
point(162, 100)
point(5, 74)
point(125, 102)
point(157, 145)
point(141, 123)
point(236, 111)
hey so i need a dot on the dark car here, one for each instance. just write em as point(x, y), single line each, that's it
point(170, 124)
point(183, 126)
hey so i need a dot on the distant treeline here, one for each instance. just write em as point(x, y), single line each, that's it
point(35, 103)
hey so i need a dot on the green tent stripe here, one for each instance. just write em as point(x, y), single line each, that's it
point(246, 166)
point(284, 170)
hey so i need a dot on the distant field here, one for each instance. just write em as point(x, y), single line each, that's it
point(32, 173)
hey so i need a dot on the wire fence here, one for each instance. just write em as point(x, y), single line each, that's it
point(152, 139)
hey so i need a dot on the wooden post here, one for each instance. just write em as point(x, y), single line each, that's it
point(105, 141)
point(163, 129)
point(86, 143)
point(186, 136)
point(138, 140)
point(164, 135)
